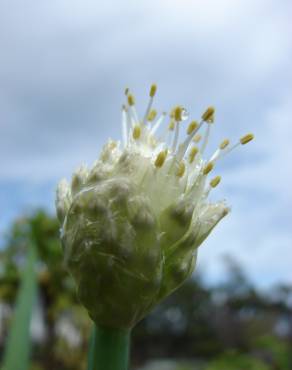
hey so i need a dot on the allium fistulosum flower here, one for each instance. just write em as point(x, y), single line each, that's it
point(132, 224)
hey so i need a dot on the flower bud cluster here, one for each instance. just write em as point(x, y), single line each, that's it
point(131, 225)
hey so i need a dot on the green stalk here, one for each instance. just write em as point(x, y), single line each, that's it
point(17, 350)
point(109, 349)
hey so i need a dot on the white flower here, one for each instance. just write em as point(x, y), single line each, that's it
point(131, 224)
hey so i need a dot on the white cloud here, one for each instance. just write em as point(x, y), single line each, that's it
point(258, 232)
point(66, 63)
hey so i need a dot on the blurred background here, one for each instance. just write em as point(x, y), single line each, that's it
point(63, 69)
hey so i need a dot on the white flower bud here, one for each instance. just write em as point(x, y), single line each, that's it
point(132, 224)
point(63, 199)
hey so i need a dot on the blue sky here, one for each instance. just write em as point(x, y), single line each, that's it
point(64, 65)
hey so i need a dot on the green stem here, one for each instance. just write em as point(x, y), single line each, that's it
point(109, 349)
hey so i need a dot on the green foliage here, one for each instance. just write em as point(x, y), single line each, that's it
point(185, 367)
point(233, 360)
point(277, 351)
point(196, 322)
point(55, 287)
point(18, 343)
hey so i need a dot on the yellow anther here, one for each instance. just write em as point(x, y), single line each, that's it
point(181, 169)
point(246, 139)
point(131, 99)
point(136, 132)
point(127, 91)
point(214, 182)
point(160, 159)
point(208, 168)
point(197, 138)
point(171, 125)
point(152, 115)
point(153, 90)
point(178, 113)
point(225, 212)
point(112, 145)
point(192, 126)
point(224, 144)
point(208, 115)
point(194, 151)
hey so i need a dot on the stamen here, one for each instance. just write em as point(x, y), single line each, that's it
point(218, 152)
point(175, 138)
point(181, 169)
point(194, 151)
point(160, 159)
point(197, 138)
point(166, 136)
point(208, 168)
point(192, 126)
point(208, 115)
point(152, 92)
point(224, 144)
point(132, 126)
point(178, 113)
point(171, 125)
point(184, 146)
point(131, 100)
point(158, 123)
point(152, 115)
point(125, 127)
point(137, 132)
point(242, 141)
point(130, 121)
point(206, 138)
point(215, 181)
point(246, 139)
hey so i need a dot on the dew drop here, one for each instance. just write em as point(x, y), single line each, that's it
point(184, 114)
